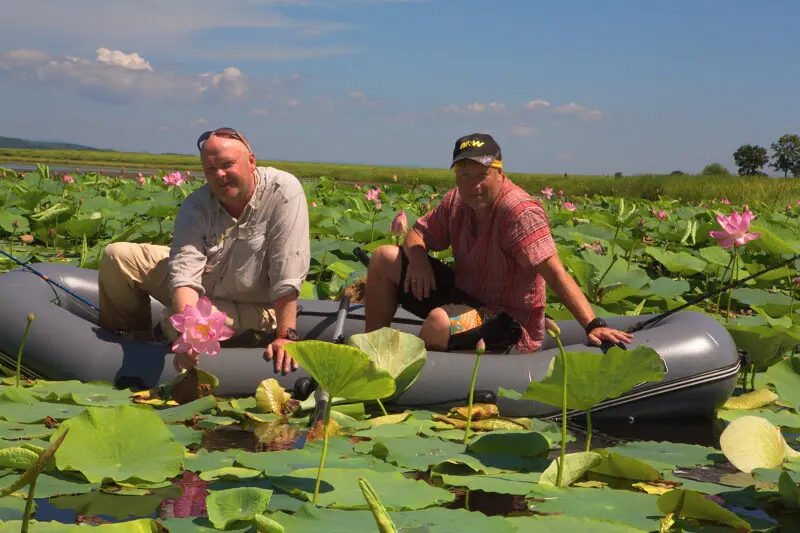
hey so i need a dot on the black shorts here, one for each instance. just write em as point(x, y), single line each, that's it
point(446, 292)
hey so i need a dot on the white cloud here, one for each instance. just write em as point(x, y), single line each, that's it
point(579, 111)
point(534, 104)
point(476, 106)
point(259, 112)
point(198, 122)
point(294, 102)
point(522, 131)
point(452, 108)
point(116, 76)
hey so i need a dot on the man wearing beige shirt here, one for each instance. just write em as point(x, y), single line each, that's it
point(242, 240)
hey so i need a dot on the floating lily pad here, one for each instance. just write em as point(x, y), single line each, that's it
point(340, 489)
point(94, 393)
point(205, 460)
point(14, 431)
point(575, 466)
point(229, 472)
point(622, 466)
point(285, 461)
point(119, 443)
point(228, 506)
point(396, 430)
point(505, 483)
point(313, 520)
point(18, 405)
point(413, 453)
point(561, 523)
point(113, 505)
point(511, 443)
point(12, 509)
point(186, 435)
point(691, 504)
point(783, 418)
point(664, 456)
point(188, 410)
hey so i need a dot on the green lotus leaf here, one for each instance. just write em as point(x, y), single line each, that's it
point(52, 484)
point(342, 371)
point(413, 452)
point(621, 466)
point(666, 456)
point(228, 506)
point(401, 354)
point(561, 523)
point(11, 509)
point(19, 405)
point(229, 472)
point(575, 466)
point(270, 397)
point(785, 376)
point(14, 431)
point(188, 410)
point(310, 519)
point(774, 304)
point(503, 483)
point(119, 443)
point(17, 458)
point(96, 393)
point(621, 371)
point(692, 504)
point(100, 503)
point(682, 263)
point(511, 443)
point(783, 418)
point(340, 489)
point(666, 288)
point(265, 524)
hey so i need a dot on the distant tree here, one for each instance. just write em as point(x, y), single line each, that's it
point(714, 169)
point(786, 155)
point(617, 174)
point(676, 173)
point(750, 159)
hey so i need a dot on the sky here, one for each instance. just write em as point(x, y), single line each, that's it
point(575, 86)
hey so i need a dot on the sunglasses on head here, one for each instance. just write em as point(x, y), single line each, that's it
point(230, 133)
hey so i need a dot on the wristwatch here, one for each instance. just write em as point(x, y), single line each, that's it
point(594, 324)
point(290, 334)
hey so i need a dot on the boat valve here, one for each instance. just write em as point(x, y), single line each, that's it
point(744, 357)
point(484, 396)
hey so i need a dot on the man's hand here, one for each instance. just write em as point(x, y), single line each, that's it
point(185, 361)
point(283, 362)
point(615, 336)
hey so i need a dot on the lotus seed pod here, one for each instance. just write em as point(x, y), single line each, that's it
point(31, 317)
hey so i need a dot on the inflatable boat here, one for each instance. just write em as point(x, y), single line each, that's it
point(65, 343)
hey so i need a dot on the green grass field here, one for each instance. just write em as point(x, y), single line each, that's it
point(772, 192)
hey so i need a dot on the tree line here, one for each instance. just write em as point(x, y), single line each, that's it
point(785, 157)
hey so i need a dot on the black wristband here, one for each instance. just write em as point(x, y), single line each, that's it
point(594, 324)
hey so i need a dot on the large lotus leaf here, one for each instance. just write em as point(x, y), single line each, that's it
point(783, 418)
point(489, 464)
point(310, 519)
point(561, 523)
point(14, 431)
point(412, 452)
point(187, 410)
point(285, 461)
point(764, 343)
point(231, 505)
point(682, 263)
point(19, 405)
point(340, 489)
point(396, 430)
point(774, 238)
point(635, 509)
point(52, 484)
point(401, 354)
point(204, 460)
point(716, 257)
point(503, 483)
point(270, 397)
point(511, 443)
point(751, 442)
point(592, 378)
point(119, 443)
point(342, 371)
point(575, 466)
point(113, 505)
point(666, 456)
point(785, 376)
point(622, 466)
point(17, 458)
point(692, 504)
point(668, 288)
point(774, 304)
point(11, 509)
point(96, 393)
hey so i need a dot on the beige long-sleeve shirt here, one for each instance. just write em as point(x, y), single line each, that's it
point(257, 258)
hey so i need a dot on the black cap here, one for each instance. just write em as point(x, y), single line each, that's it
point(479, 147)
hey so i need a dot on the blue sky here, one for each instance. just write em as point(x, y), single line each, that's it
point(584, 87)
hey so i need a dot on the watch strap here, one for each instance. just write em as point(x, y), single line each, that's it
point(594, 324)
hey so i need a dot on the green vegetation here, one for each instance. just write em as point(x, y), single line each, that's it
point(23, 144)
point(130, 455)
point(785, 157)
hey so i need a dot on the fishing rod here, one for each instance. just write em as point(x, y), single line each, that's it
point(50, 281)
point(643, 324)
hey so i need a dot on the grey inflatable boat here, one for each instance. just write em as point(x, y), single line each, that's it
point(65, 343)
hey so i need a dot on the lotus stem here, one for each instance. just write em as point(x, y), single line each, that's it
point(562, 456)
point(26, 518)
point(324, 451)
point(589, 430)
point(735, 272)
point(31, 317)
point(383, 409)
point(466, 500)
point(753, 373)
point(719, 296)
point(471, 397)
point(600, 281)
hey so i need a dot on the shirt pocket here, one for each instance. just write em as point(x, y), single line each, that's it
point(248, 258)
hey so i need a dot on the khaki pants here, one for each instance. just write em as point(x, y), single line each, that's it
point(132, 272)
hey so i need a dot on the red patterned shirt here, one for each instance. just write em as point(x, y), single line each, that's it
point(499, 266)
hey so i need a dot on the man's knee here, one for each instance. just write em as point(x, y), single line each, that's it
point(120, 253)
point(436, 329)
point(386, 261)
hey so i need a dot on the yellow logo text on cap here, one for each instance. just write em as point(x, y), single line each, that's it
point(471, 143)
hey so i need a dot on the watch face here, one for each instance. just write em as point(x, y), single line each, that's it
point(289, 333)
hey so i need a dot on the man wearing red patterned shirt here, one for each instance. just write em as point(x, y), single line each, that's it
point(504, 255)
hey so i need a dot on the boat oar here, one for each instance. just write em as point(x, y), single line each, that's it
point(644, 323)
point(50, 281)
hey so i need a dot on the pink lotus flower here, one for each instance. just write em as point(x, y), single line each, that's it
point(661, 215)
point(725, 201)
point(735, 229)
point(174, 179)
point(201, 328)
point(399, 224)
point(313, 204)
point(561, 192)
point(394, 178)
point(140, 180)
point(372, 195)
point(548, 192)
point(569, 206)
point(480, 347)
point(797, 281)
point(66, 179)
